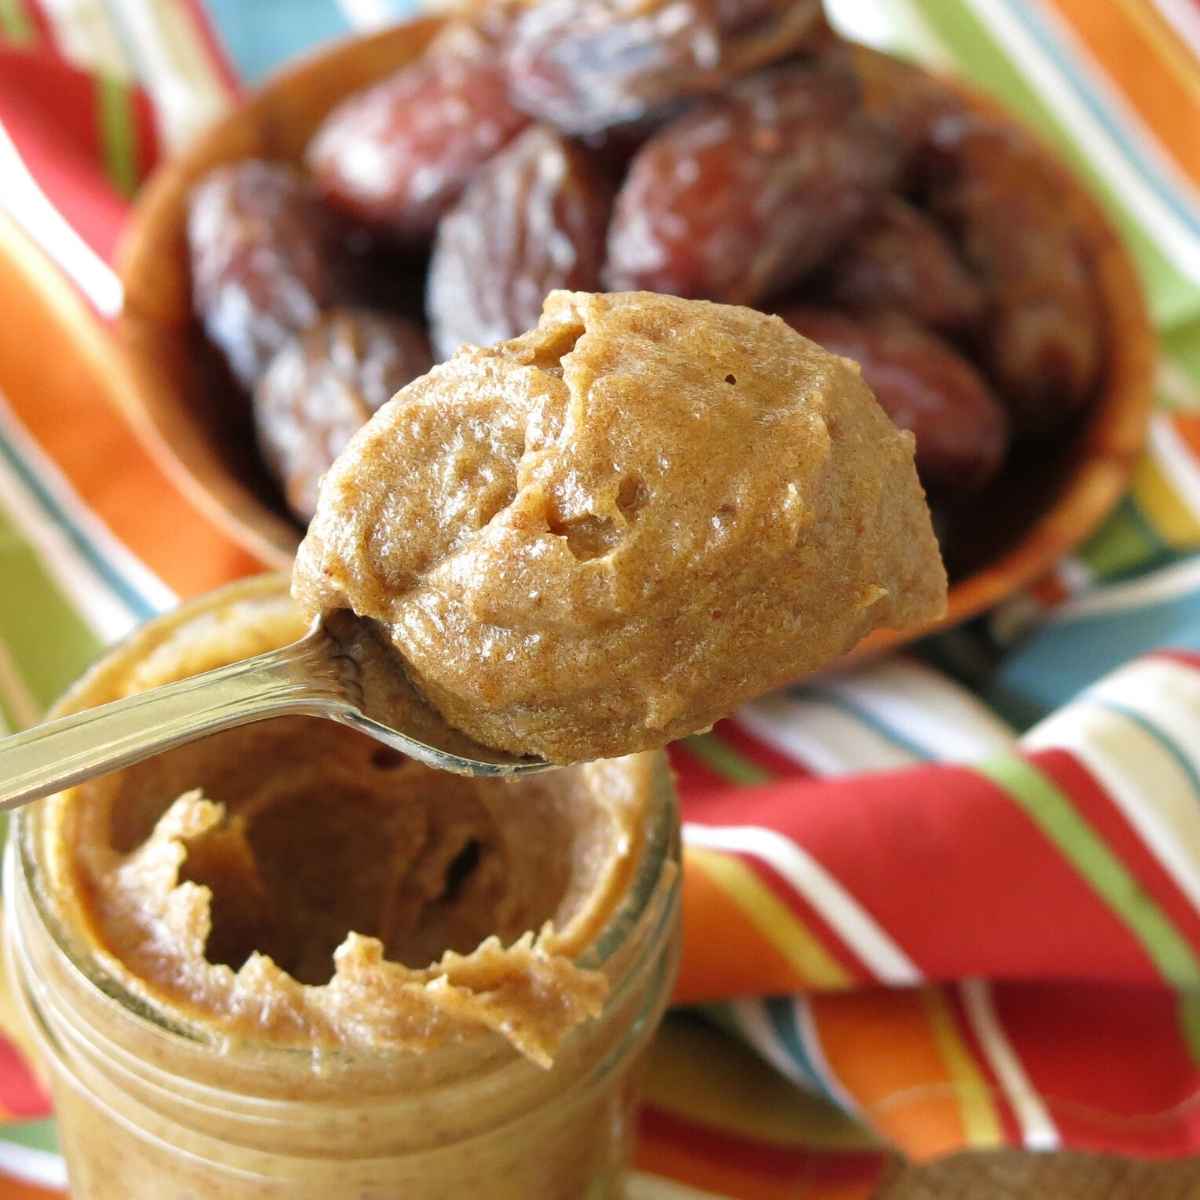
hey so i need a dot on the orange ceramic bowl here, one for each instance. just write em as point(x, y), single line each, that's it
point(1046, 501)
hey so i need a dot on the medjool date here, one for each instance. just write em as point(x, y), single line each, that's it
point(1042, 339)
point(533, 220)
point(264, 260)
point(322, 386)
point(923, 385)
point(397, 155)
point(901, 260)
point(748, 192)
point(585, 67)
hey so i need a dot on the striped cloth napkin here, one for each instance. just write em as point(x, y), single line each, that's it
point(947, 900)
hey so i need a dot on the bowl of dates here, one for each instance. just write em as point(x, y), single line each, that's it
point(377, 205)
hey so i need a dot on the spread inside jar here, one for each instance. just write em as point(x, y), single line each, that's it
point(294, 883)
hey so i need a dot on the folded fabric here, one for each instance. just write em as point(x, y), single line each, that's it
point(907, 923)
point(1055, 881)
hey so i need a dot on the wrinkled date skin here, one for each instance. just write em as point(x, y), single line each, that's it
point(533, 220)
point(397, 155)
point(914, 102)
point(264, 259)
point(747, 193)
point(584, 67)
point(924, 386)
point(1042, 339)
point(901, 260)
point(323, 385)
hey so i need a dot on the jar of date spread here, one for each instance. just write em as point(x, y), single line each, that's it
point(287, 962)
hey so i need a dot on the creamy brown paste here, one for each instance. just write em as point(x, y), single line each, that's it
point(613, 530)
point(295, 883)
point(582, 542)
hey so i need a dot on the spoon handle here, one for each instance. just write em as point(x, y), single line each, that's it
point(300, 678)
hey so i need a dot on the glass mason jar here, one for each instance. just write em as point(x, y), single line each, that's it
point(149, 1110)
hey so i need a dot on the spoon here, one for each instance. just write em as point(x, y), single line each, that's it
point(341, 669)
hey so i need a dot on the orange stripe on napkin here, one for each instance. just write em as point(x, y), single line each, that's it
point(1145, 58)
point(725, 904)
point(885, 1052)
point(14, 1189)
point(1187, 427)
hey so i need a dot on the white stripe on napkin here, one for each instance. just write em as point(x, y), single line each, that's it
point(868, 940)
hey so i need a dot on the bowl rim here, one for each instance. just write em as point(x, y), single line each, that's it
point(1110, 442)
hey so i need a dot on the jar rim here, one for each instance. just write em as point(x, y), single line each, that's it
point(659, 848)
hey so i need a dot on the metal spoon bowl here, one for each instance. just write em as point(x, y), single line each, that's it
point(339, 670)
